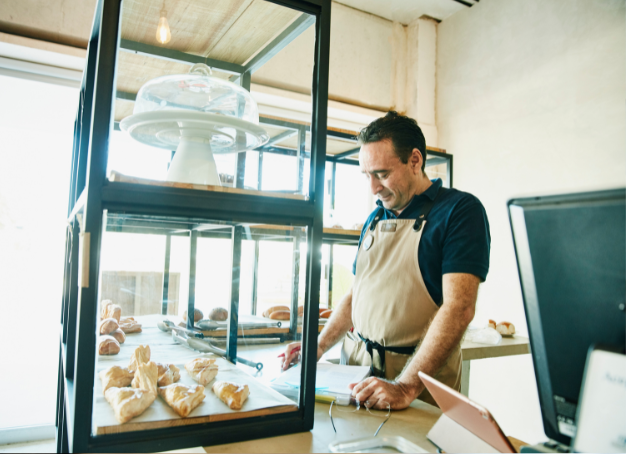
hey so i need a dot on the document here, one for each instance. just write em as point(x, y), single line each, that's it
point(330, 378)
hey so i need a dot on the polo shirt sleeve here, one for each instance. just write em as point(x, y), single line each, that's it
point(467, 241)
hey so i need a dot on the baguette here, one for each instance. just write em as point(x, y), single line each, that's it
point(269, 311)
point(326, 314)
point(280, 315)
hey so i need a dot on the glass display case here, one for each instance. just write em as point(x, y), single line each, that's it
point(188, 262)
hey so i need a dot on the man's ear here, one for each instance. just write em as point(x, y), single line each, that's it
point(416, 160)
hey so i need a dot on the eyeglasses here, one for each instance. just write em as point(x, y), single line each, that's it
point(379, 414)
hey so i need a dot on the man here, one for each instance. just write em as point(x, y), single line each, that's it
point(422, 254)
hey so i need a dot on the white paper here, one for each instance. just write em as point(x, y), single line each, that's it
point(331, 378)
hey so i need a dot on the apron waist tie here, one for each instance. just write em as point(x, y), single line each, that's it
point(370, 345)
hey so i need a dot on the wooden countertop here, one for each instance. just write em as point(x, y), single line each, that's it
point(510, 346)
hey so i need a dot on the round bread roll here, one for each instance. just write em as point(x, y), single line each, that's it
point(107, 345)
point(492, 324)
point(505, 328)
point(197, 315)
point(218, 314)
point(108, 325)
point(280, 315)
point(269, 311)
point(119, 336)
point(326, 314)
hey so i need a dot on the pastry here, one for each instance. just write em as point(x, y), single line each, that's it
point(326, 314)
point(218, 314)
point(197, 315)
point(139, 356)
point(146, 377)
point(110, 310)
point(119, 335)
point(107, 345)
point(231, 394)
point(280, 315)
point(128, 402)
point(129, 325)
point(202, 370)
point(168, 374)
point(505, 328)
point(492, 324)
point(115, 377)
point(108, 325)
point(182, 398)
point(274, 309)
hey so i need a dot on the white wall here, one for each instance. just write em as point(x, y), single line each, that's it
point(530, 100)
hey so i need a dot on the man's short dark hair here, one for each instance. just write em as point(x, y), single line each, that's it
point(404, 133)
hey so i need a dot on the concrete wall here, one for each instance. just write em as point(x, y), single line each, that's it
point(530, 100)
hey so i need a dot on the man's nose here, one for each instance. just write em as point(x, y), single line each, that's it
point(375, 185)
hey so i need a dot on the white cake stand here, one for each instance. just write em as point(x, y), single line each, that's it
point(196, 136)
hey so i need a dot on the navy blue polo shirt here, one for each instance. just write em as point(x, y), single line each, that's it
point(455, 239)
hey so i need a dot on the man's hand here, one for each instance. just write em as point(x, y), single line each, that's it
point(293, 355)
point(377, 393)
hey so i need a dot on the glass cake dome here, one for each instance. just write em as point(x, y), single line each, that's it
point(197, 91)
point(197, 115)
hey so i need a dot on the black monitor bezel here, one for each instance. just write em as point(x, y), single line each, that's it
point(529, 291)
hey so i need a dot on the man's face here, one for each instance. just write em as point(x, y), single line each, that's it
point(392, 181)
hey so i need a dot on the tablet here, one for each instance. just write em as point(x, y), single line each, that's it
point(468, 414)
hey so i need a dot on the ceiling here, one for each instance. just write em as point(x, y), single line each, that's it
point(68, 22)
point(406, 11)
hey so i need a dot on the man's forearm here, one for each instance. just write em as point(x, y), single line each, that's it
point(444, 333)
point(338, 324)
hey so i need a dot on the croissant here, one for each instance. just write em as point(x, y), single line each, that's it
point(182, 398)
point(168, 374)
point(139, 356)
point(202, 370)
point(115, 377)
point(231, 394)
point(128, 402)
point(146, 377)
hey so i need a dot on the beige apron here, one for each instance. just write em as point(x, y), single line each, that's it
point(391, 304)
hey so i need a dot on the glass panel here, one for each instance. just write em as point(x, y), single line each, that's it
point(438, 170)
point(343, 258)
point(353, 200)
point(185, 123)
point(150, 267)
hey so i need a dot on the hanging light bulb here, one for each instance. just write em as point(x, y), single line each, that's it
point(163, 34)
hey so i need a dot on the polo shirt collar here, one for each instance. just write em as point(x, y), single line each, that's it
point(431, 193)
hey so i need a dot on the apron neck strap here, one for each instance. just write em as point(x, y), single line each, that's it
point(419, 222)
point(420, 219)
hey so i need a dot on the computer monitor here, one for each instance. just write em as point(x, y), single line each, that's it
point(571, 257)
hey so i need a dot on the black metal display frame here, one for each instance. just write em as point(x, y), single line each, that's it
point(91, 195)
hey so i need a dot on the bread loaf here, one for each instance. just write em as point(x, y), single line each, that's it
point(107, 345)
point(280, 315)
point(505, 328)
point(108, 325)
point(110, 310)
point(119, 335)
point(197, 315)
point(218, 314)
point(269, 311)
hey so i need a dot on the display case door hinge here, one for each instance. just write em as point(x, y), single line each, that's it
point(83, 259)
